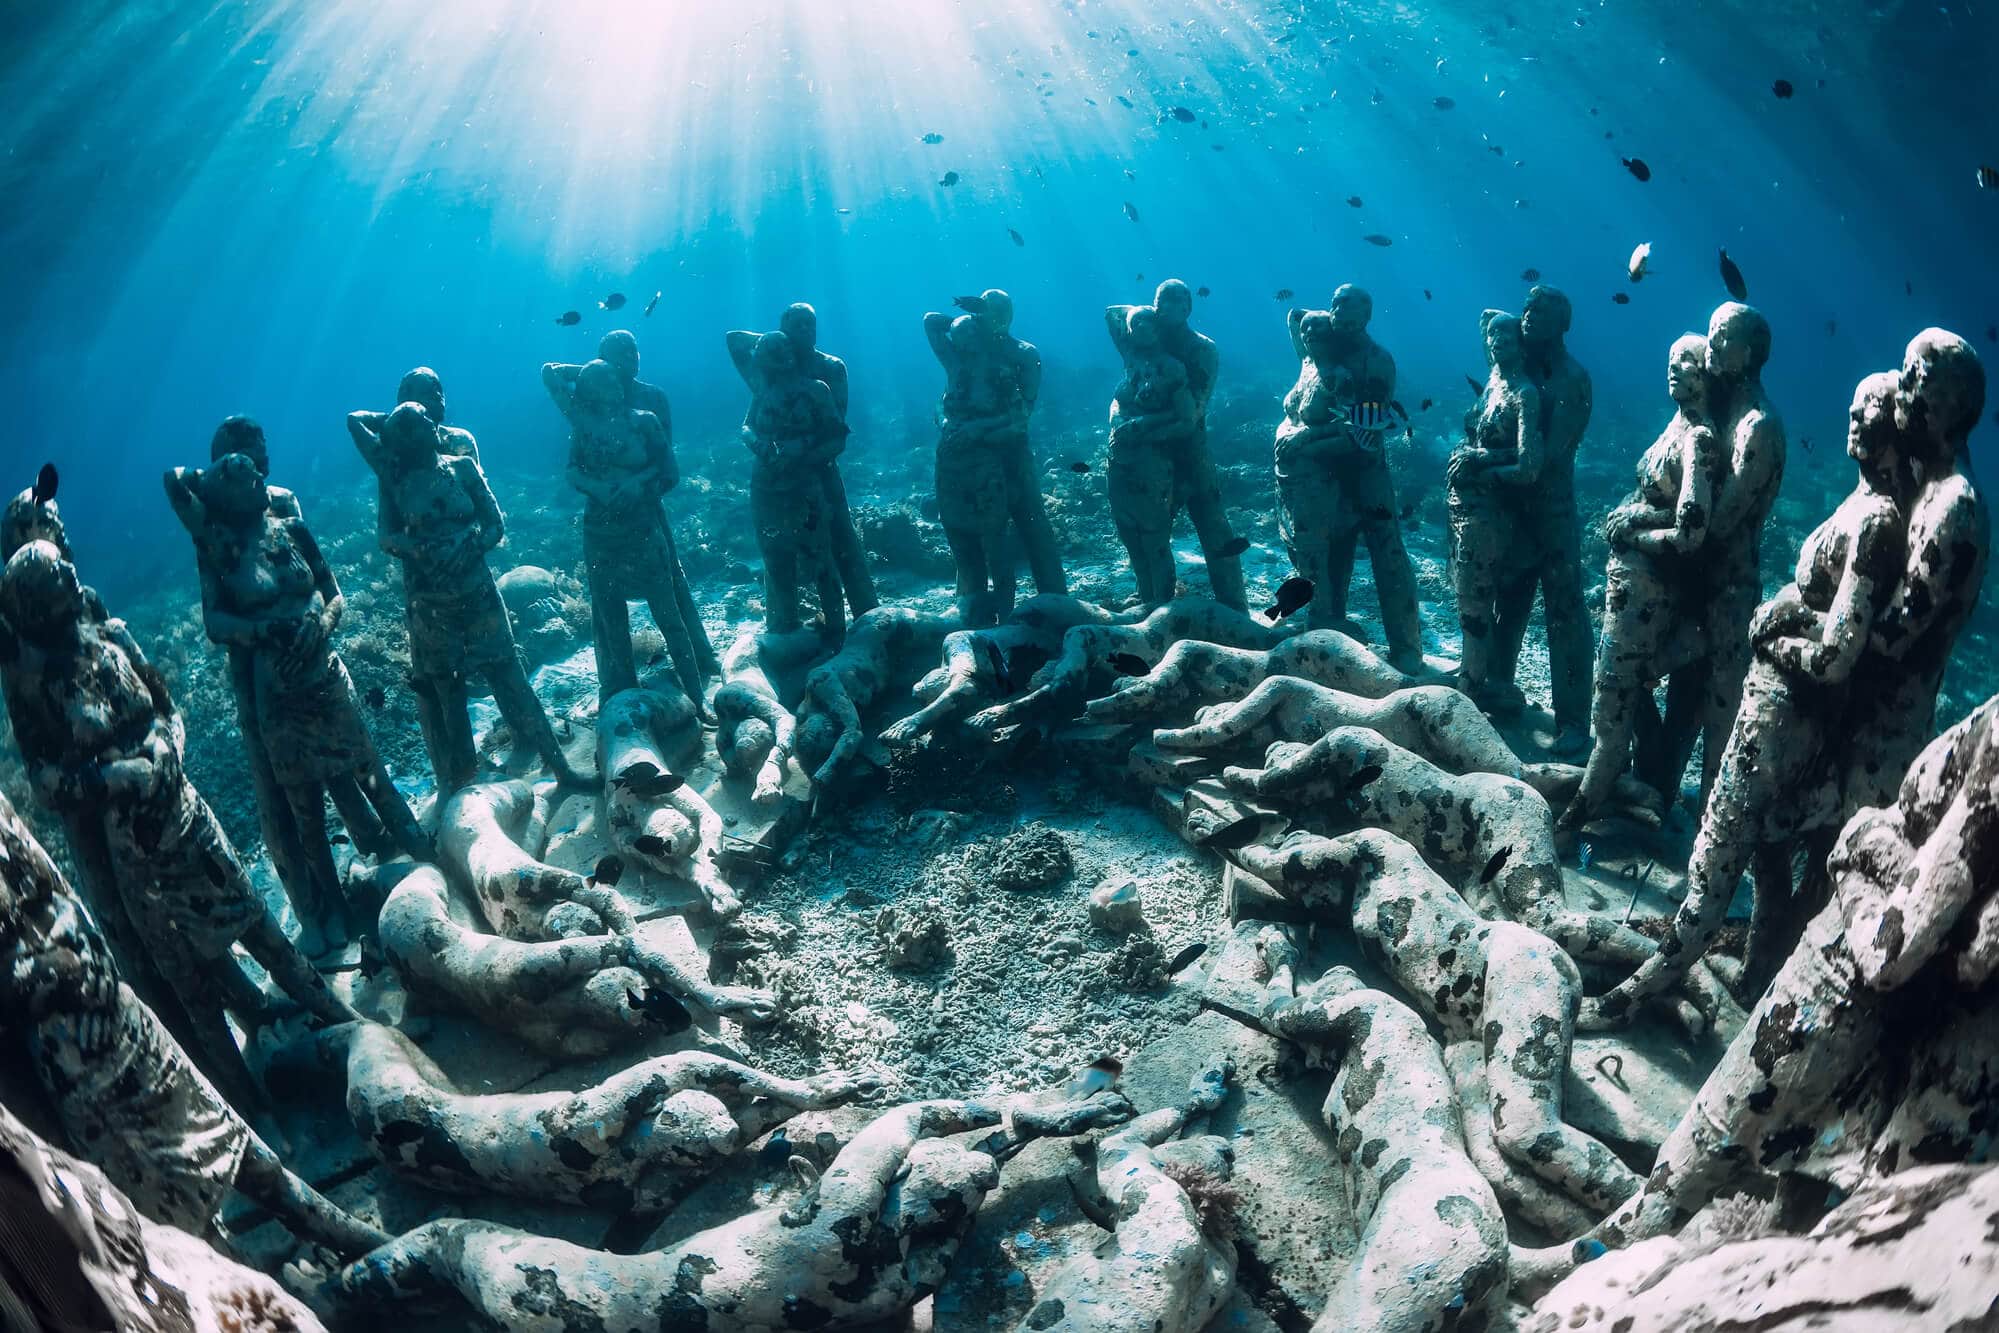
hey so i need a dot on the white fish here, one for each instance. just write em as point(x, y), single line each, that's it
point(1640, 257)
point(1093, 1078)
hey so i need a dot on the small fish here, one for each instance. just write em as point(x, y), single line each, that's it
point(1362, 778)
point(1131, 210)
point(1124, 101)
point(1731, 278)
point(1988, 178)
point(1636, 166)
point(949, 178)
point(1285, 293)
point(1783, 89)
point(1992, 333)
point(1377, 99)
point(1530, 275)
point(1097, 1076)
point(1186, 955)
point(971, 305)
point(1182, 114)
point(1376, 238)
point(1292, 594)
point(1620, 298)
point(1908, 288)
point(1442, 103)
point(653, 304)
point(44, 489)
point(1832, 328)
point(1235, 835)
point(1234, 546)
point(933, 137)
point(1477, 388)
point(653, 788)
point(569, 317)
point(1805, 443)
point(1425, 405)
point(1353, 201)
point(649, 844)
point(1079, 466)
point(996, 663)
point(1641, 257)
point(375, 697)
point(1202, 291)
point(1130, 175)
point(661, 1008)
point(610, 869)
point(338, 839)
point(1497, 150)
point(1585, 853)
point(615, 301)
point(1427, 296)
point(1018, 239)
point(1495, 865)
point(1128, 664)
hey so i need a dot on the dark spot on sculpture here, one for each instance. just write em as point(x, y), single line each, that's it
point(1045, 1315)
point(571, 1153)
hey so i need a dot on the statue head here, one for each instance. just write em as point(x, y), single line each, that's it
point(233, 488)
point(411, 432)
point(1318, 332)
point(773, 356)
point(800, 323)
point(1504, 340)
point(423, 387)
point(998, 310)
point(41, 598)
point(241, 435)
point(813, 740)
point(966, 335)
point(1873, 439)
point(695, 1127)
point(1738, 341)
point(1175, 304)
point(621, 349)
point(1142, 327)
point(1546, 315)
point(599, 387)
point(1351, 310)
point(1941, 391)
point(1686, 370)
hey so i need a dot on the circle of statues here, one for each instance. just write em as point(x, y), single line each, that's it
point(1374, 795)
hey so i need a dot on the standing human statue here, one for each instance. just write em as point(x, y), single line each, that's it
point(1545, 554)
point(1031, 528)
point(102, 741)
point(1703, 698)
point(1196, 486)
point(800, 324)
point(1152, 415)
point(438, 517)
point(621, 459)
point(979, 409)
point(1333, 485)
point(793, 432)
point(268, 591)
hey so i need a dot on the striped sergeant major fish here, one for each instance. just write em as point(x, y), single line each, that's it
point(1373, 418)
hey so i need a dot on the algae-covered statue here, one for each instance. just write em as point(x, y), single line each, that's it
point(794, 433)
point(1031, 529)
point(269, 592)
point(978, 418)
point(102, 741)
point(1334, 489)
point(800, 323)
point(1195, 485)
point(621, 459)
point(1153, 416)
point(439, 518)
point(127, 1096)
point(862, 1242)
point(1656, 538)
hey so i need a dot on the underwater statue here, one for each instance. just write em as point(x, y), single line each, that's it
point(794, 432)
point(800, 323)
point(1334, 489)
point(269, 592)
point(1702, 699)
point(621, 459)
point(980, 412)
point(984, 667)
point(885, 648)
point(860, 1243)
point(102, 741)
point(651, 815)
point(1772, 787)
point(422, 387)
point(126, 1094)
point(1153, 415)
point(1873, 1049)
point(439, 518)
point(1031, 529)
point(1431, 1249)
point(1656, 540)
point(1195, 485)
point(1545, 553)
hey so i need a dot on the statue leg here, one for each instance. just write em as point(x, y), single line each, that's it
point(274, 819)
point(370, 780)
point(1329, 599)
point(266, 942)
point(1305, 513)
point(1202, 490)
point(611, 637)
point(780, 553)
point(1474, 576)
point(1030, 519)
point(1633, 613)
point(850, 558)
point(682, 644)
point(969, 555)
point(1394, 575)
point(529, 720)
point(1141, 496)
point(447, 732)
point(1729, 615)
point(304, 1211)
point(316, 898)
point(1571, 639)
point(690, 614)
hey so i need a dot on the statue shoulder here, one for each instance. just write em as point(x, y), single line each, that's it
point(284, 503)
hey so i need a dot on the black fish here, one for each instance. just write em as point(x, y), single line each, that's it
point(1530, 275)
point(971, 305)
point(1497, 150)
point(615, 301)
point(1182, 114)
point(661, 1008)
point(1186, 956)
point(1362, 777)
point(1425, 407)
point(1783, 89)
point(1131, 210)
point(1988, 178)
point(1908, 288)
point(1636, 166)
point(1233, 547)
point(1079, 466)
point(1442, 103)
point(1427, 296)
point(1018, 239)
point(996, 663)
point(375, 697)
point(1201, 291)
point(1619, 298)
point(45, 484)
point(610, 869)
point(1376, 238)
point(653, 304)
point(1495, 865)
point(1285, 293)
point(1395, 406)
point(569, 317)
point(651, 844)
point(654, 785)
point(1731, 278)
point(1128, 664)
point(1353, 201)
point(1236, 835)
point(1125, 100)
point(933, 137)
point(1293, 593)
point(949, 178)
point(1992, 333)
point(1477, 388)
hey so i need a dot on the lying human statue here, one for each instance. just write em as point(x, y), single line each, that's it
point(1195, 672)
point(650, 813)
point(1431, 1250)
point(755, 734)
point(1875, 1048)
point(863, 1242)
point(1170, 1264)
point(882, 650)
point(75, 1254)
point(635, 1142)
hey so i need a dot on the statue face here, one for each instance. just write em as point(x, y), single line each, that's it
point(40, 595)
point(235, 488)
point(599, 387)
point(621, 350)
point(1173, 304)
point(1143, 328)
point(1351, 310)
point(1503, 343)
point(801, 324)
point(1686, 374)
point(1545, 317)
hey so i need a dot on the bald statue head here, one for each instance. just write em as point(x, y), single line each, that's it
point(1546, 317)
point(621, 350)
point(1352, 310)
point(423, 387)
point(1941, 392)
point(800, 323)
point(1738, 341)
point(996, 311)
point(1174, 303)
point(41, 598)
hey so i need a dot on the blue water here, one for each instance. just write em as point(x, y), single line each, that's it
point(277, 208)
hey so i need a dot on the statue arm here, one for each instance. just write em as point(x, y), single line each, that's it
point(829, 432)
point(1864, 586)
point(1030, 376)
point(592, 488)
point(1116, 319)
point(1894, 933)
point(1294, 320)
point(741, 343)
point(390, 532)
point(937, 328)
point(836, 382)
point(1531, 443)
point(662, 465)
point(485, 507)
point(1752, 452)
point(221, 624)
point(1928, 592)
point(323, 580)
point(365, 429)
